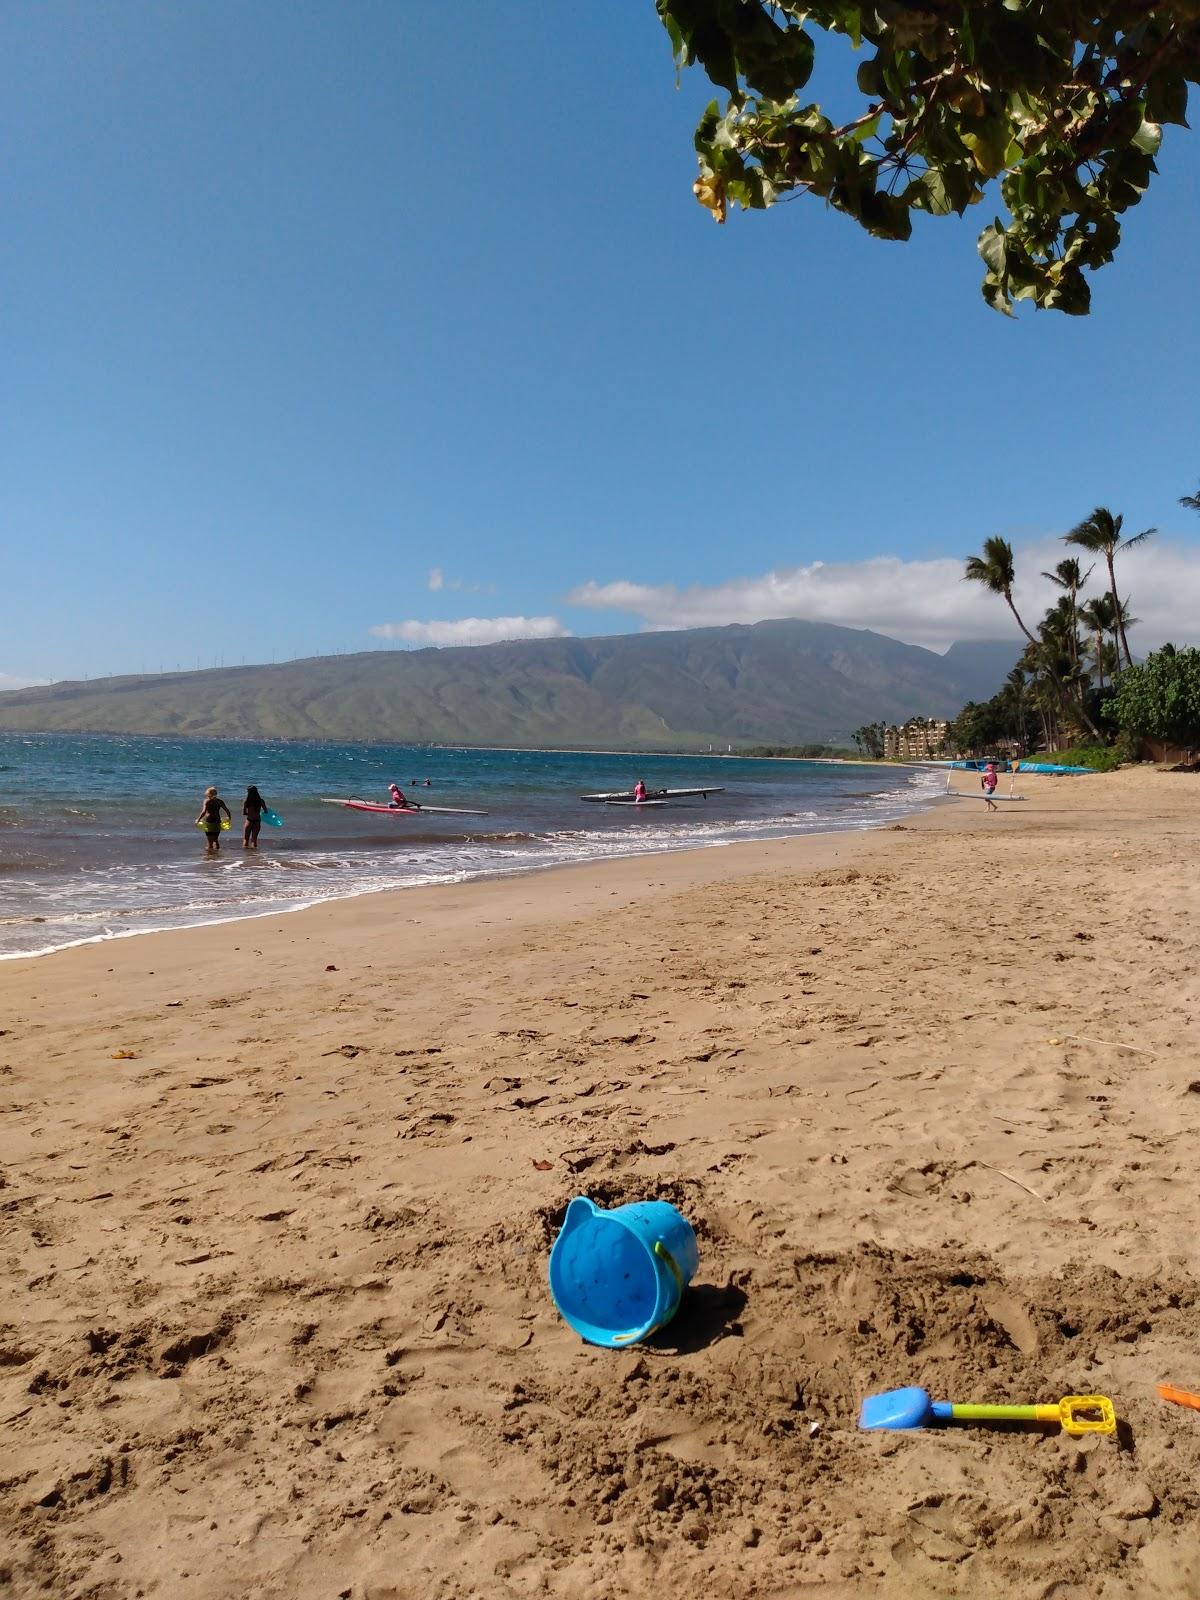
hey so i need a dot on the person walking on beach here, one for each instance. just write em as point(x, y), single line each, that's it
point(210, 819)
point(253, 807)
point(988, 784)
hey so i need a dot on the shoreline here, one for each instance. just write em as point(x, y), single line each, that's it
point(601, 863)
point(277, 1208)
point(919, 806)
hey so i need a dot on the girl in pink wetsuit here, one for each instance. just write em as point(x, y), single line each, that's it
point(988, 783)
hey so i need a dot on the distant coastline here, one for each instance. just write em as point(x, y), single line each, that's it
point(318, 741)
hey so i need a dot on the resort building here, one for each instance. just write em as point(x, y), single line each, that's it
point(920, 739)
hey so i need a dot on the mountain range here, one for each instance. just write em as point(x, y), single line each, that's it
point(787, 682)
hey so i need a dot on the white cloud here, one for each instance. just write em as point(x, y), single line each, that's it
point(9, 680)
point(472, 630)
point(921, 602)
point(438, 580)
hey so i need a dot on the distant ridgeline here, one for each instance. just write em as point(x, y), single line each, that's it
point(786, 683)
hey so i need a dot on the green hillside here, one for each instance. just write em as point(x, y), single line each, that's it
point(786, 682)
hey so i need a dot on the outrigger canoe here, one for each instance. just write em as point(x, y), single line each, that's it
point(400, 811)
point(617, 796)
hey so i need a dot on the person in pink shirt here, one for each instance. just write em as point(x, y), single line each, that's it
point(639, 791)
point(988, 783)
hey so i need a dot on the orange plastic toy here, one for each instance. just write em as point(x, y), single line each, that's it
point(1178, 1397)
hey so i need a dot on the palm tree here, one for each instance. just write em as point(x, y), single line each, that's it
point(1015, 693)
point(1057, 627)
point(1060, 650)
point(1101, 534)
point(1068, 576)
point(1031, 664)
point(1099, 617)
point(1124, 620)
point(1107, 660)
point(996, 571)
point(1192, 501)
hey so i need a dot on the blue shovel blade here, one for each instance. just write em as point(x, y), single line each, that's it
point(897, 1408)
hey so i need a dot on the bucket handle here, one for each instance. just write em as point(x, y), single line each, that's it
point(672, 1266)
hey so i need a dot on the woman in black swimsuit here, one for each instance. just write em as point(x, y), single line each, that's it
point(253, 807)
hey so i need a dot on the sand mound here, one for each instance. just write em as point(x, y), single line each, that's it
point(316, 1418)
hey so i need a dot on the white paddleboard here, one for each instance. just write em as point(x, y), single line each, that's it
point(958, 794)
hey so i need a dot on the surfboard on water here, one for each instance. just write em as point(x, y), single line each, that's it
point(616, 796)
point(400, 811)
point(639, 805)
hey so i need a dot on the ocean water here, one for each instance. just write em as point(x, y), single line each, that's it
point(97, 834)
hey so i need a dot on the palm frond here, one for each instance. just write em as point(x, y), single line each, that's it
point(1100, 531)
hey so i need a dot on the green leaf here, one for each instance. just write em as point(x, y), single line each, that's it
point(993, 247)
point(1167, 98)
point(988, 142)
point(884, 216)
point(1070, 294)
point(776, 60)
point(928, 193)
point(1148, 138)
point(870, 78)
point(701, 24)
point(707, 126)
point(679, 49)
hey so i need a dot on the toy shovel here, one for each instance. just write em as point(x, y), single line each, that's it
point(913, 1408)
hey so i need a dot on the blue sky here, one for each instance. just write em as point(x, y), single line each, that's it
point(304, 302)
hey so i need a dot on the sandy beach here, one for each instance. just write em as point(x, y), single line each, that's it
point(277, 1199)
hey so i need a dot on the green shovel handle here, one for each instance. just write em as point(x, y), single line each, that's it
point(970, 1413)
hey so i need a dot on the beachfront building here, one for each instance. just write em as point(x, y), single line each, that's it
point(919, 739)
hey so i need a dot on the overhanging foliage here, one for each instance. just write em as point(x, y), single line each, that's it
point(1064, 107)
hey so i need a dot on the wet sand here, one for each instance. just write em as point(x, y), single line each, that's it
point(274, 1299)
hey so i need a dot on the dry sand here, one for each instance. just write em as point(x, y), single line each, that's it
point(274, 1286)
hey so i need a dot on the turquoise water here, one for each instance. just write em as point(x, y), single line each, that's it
point(97, 835)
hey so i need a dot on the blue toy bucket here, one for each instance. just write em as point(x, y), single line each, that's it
point(617, 1276)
